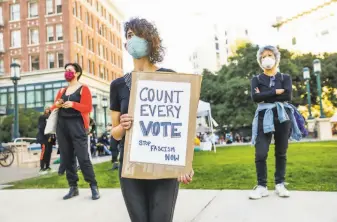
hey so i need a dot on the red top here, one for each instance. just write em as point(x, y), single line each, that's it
point(84, 106)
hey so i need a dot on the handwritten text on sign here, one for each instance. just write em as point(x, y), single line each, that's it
point(160, 123)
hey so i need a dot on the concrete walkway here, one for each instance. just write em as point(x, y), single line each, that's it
point(192, 205)
point(12, 174)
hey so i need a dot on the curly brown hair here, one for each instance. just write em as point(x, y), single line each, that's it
point(144, 29)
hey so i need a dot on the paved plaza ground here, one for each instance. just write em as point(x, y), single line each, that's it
point(12, 174)
point(42, 205)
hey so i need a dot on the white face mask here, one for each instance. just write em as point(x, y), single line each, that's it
point(268, 63)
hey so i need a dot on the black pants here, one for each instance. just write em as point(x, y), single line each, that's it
point(149, 200)
point(62, 167)
point(114, 149)
point(46, 150)
point(281, 136)
point(73, 141)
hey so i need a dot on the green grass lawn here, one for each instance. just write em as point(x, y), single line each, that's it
point(311, 166)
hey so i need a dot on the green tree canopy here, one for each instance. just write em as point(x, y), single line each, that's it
point(28, 121)
point(228, 90)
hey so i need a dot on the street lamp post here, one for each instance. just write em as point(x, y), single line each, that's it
point(15, 77)
point(317, 71)
point(105, 106)
point(94, 103)
point(306, 77)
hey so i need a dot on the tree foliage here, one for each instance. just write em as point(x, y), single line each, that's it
point(28, 120)
point(228, 90)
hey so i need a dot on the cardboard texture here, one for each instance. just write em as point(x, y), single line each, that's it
point(139, 170)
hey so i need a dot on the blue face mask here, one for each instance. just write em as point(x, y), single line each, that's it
point(137, 47)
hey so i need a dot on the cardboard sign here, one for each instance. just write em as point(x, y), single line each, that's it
point(161, 142)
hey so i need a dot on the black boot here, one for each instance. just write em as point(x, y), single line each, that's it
point(73, 192)
point(95, 193)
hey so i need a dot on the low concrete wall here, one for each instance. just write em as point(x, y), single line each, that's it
point(26, 158)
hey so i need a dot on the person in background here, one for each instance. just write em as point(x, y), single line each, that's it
point(272, 91)
point(75, 104)
point(46, 142)
point(93, 142)
point(92, 124)
point(237, 138)
point(146, 200)
point(114, 147)
point(104, 144)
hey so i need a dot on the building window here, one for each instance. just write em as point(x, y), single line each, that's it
point(79, 37)
point(89, 66)
point(1, 17)
point(49, 7)
point(92, 21)
point(217, 46)
point(75, 9)
point(325, 32)
point(59, 32)
point(58, 4)
point(93, 67)
point(246, 32)
point(78, 58)
point(293, 41)
point(101, 50)
point(15, 12)
point(34, 36)
point(80, 12)
point(60, 59)
point(51, 60)
point(2, 68)
point(106, 54)
point(16, 39)
point(16, 60)
point(32, 9)
point(2, 49)
point(87, 18)
point(50, 33)
point(101, 71)
point(34, 62)
point(75, 35)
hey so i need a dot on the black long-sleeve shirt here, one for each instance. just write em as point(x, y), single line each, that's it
point(267, 92)
point(41, 138)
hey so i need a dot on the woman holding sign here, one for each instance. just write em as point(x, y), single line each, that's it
point(146, 200)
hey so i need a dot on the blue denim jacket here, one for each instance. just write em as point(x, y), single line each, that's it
point(268, 119)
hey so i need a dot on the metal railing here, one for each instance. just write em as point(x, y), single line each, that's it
point(23, 139)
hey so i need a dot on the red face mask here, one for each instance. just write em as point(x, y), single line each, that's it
point(69, 75)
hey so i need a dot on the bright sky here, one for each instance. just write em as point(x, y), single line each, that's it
point(177, 21)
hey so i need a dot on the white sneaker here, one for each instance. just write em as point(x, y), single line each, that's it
point(258, 192)
point(281, 190)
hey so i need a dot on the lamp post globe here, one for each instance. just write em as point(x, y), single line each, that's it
point(318, 71)
point(306, 77)
point(15, 77)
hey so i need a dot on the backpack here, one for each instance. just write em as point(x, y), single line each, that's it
point(300, 120)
